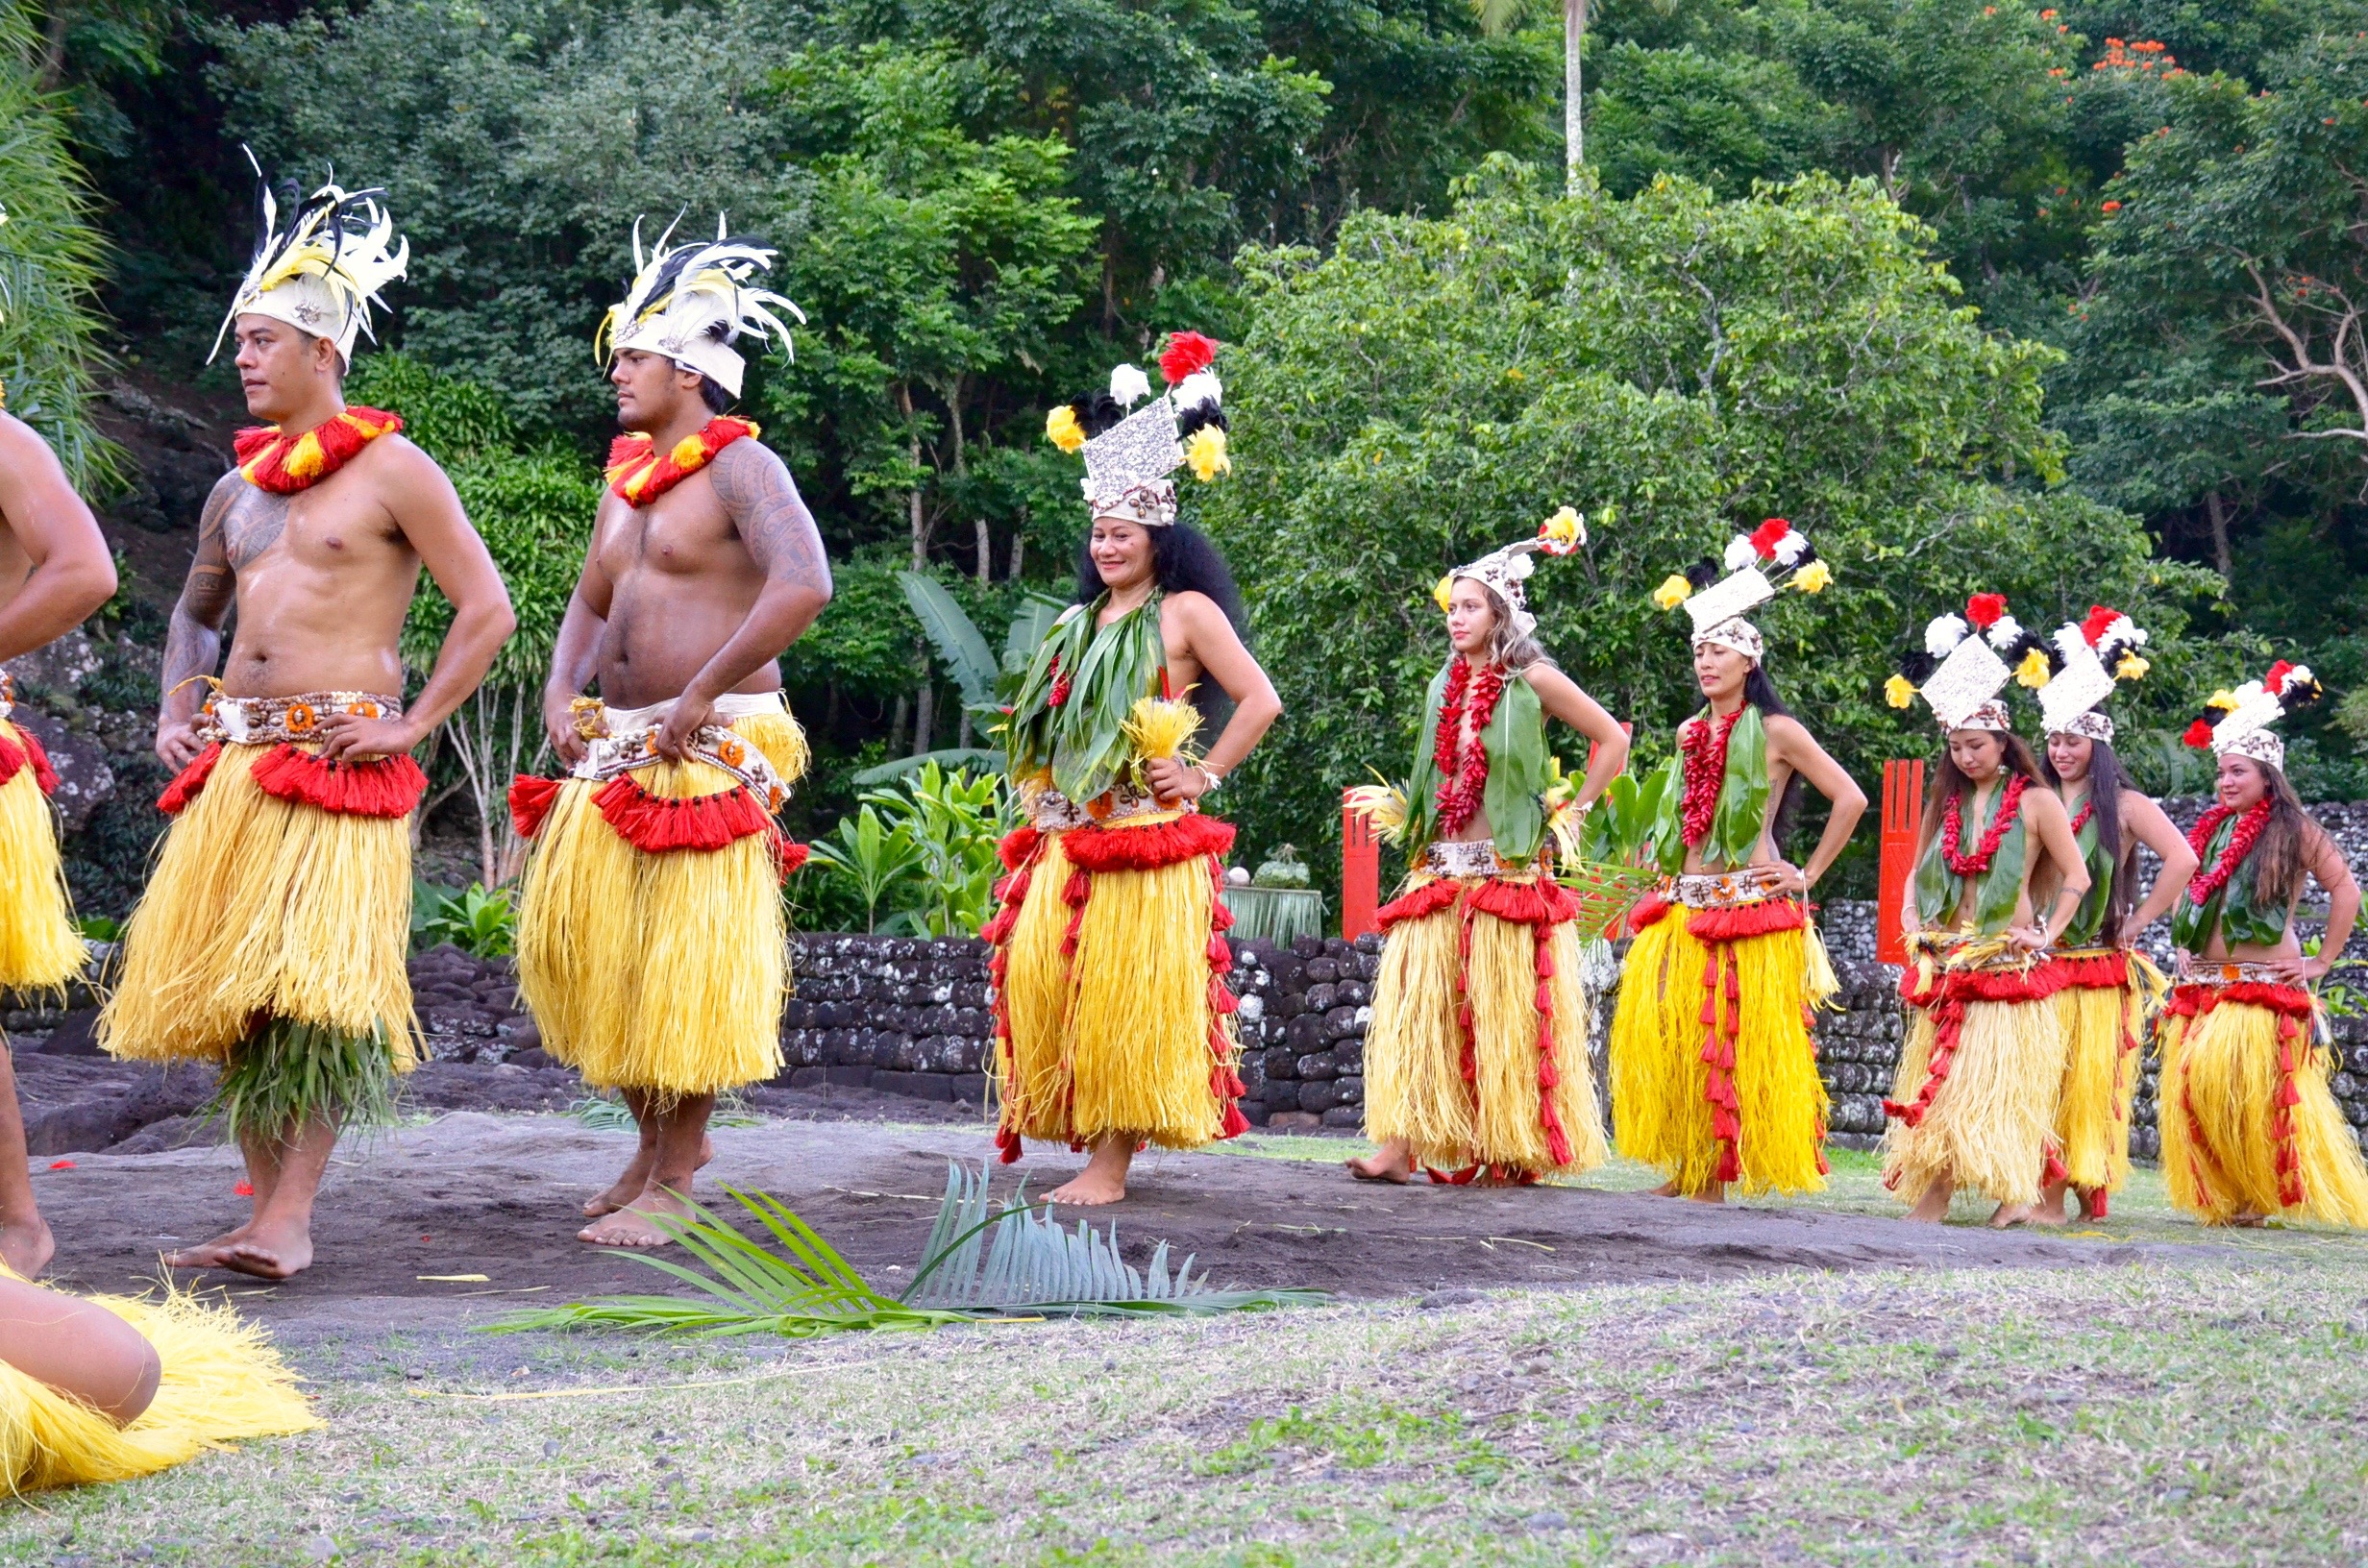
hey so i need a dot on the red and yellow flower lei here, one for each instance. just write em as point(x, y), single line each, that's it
point(638, 473)
point(285, 464)
point(2240, 844)
point(1464, 770)
point(1706, 773)
point(1953, 831)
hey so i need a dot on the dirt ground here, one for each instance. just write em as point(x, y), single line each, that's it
point(407, 1220)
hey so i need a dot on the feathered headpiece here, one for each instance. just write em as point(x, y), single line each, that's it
point(2238, 722)
point(1957, 673)
point(322, 273)
point(1502, 572)
point(2084, 658)
point(1753, 562)
point(691, 303)
point(1128, 456)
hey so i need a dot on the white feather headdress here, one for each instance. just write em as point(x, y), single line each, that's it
point(693, 301)
point(322, 273)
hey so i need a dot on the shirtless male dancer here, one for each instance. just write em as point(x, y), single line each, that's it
point(272, 936)
point(653, 948)
point(54, 571)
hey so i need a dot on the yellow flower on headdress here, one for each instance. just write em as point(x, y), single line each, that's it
point(1205, 452)
point(1899, 691)
point(1062, 430)
point(1813, 578)
point(2033, 671)
point(1442, 590)
point(1562, 532)
point(2131, 667)
point(2223, 698)
point(1674, 590)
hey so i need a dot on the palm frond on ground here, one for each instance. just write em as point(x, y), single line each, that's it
point(1013, 1262)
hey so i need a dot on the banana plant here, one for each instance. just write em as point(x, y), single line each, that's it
point(983, 681)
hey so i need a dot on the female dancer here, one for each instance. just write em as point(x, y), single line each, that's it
point(1713, 1075)
point(2111, 989)
point(1975, 1096)
point(1475, 1059)
point(2249, 1126)
point(1114, 1023)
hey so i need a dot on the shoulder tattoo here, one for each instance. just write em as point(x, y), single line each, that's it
point(762, 501)
point(249, 520)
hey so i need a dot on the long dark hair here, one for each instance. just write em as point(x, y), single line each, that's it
point(2106, 779)
point(1760, 692)
point(1183, 560)
point(2281, 859)
point(1948, 779)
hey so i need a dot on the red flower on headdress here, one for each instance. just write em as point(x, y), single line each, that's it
point(2273, 683)
point(1766, 537)
point(1985, 609)
point(1187, 353)
point(2199, 735)
point(2101, 617)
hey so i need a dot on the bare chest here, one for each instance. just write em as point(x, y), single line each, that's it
point(331, 528)
point(682, 533)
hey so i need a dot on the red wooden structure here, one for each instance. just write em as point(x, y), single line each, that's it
point(1903, 822)
point(1360, 873)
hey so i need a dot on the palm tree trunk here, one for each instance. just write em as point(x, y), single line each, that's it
point(1574, 147)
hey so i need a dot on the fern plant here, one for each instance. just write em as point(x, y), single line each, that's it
point(1013, 1262)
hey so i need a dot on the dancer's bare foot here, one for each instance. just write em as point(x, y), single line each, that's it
point(2044, 1213)
point(273, 1249)
point(1104, 1180)
point(636, 1177)
point(1667, 1190)
point(1934, 1206)
point(1392, 1162)
point(2008, 1214)
point(1715, 1193)
point(26, 1245)
point(2252, 1220)
point(631, 1225)
point(209, 1254)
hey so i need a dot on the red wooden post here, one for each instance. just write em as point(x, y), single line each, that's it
point(1903, 822)
point(1360, 873)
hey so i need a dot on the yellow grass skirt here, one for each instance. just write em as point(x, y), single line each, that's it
point(261, 908)
point(1670, 1104)
point(222, 1381)
point(663, 973)
point(1112, 1013)
point(1975, 1096)
point(40, 947)
point(2248, 1124)
point(1452, 1056)
point(2105, 1007)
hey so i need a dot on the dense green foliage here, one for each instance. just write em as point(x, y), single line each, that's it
point(1434, 387)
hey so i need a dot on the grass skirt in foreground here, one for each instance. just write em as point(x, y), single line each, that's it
point(1733, 1096)
point(40, 947)
point(1975, 1097)
point(2248, 1124)
point(659, 969)
point(1111, 1009)
point(2109, 994)
point(222, 1381)
point(1476, 1055)
point(264, 906)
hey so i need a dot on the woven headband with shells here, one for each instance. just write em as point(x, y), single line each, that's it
point(2238, 723)
point(1758, 564)
point(2084, 660)
point(1502, 572)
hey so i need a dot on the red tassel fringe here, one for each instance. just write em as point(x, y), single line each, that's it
point(1427, 900)
point(382, 787)
point(2193, 1000)
point(530, 799)
point(658, 825)
point(1743, 921)
point(2096, 972)
point(1647, 914)
point(13, 756)
point(1150, 848)
point(189, 780)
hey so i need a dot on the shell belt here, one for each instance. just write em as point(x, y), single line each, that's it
point(1475, 857)
point(270, 721)
point(1720, 889)
point(1053, 811)
point(614, 756)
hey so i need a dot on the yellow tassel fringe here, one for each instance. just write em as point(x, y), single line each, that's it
point(660, 972)
point(222, 1381)
point(1116, 1038)
point(1660, 1116)
point(1993, 1121)
point(2222, 1068)
point(39, 947)
point(263, 907)
point(1413, 1050)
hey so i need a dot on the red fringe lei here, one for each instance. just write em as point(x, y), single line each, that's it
point(285, 464)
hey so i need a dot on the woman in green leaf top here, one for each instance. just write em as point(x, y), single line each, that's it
point(2249, 1127)
point(1114, 1023)
point(1475, 1059)
point(1974, 1100)
point(1713, 1075)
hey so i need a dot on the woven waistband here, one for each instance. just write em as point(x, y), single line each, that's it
point(2232, 974)
point(1720, 889)
point(627, 745)
point(269, 720)
point(1474, 858)
point(1053, 811)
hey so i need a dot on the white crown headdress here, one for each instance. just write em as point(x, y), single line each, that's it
point(692, 302)
point(1961, 669)
point(2238, 722)
point(1502, 572)
point(2085, 659)
point(1129, 457)
point(323, 273)
point(1754, 563)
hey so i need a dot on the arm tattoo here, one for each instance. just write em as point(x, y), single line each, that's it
point(194, 642)
point(763, 503)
